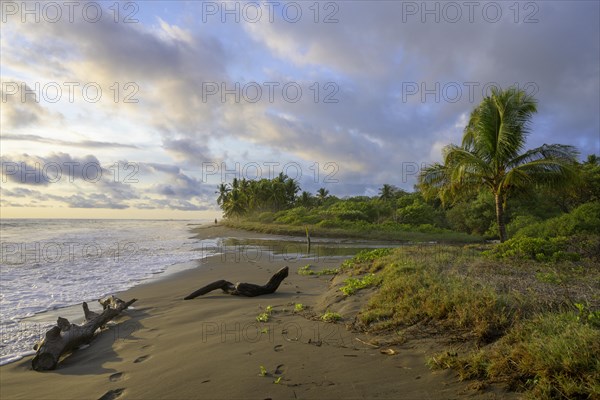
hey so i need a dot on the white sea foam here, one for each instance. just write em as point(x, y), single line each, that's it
point(50, 264)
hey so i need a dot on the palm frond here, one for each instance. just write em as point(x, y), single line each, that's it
point(542, 172)
point(547, 151)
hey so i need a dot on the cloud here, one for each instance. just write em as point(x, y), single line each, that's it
point(94, 200)
point(189, 150)
point(42, 171)
point(21, 105)
point(166, 63)
point(83, 182)
point(59, 142)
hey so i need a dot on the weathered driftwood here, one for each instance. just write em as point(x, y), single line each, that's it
point(243, 289)
point(66, 336)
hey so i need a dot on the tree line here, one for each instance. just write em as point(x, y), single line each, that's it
point(243, 196)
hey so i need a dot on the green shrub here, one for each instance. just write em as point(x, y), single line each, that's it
point(420, 213)
point(533, 248)
point(307, 270)
point(519, 222)
point(351, 285)
point(585, 219)
point(330, 316)
point(366, 256)
point(351, 215)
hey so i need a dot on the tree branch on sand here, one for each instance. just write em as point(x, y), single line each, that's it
point(66, 336)
point(243, 289)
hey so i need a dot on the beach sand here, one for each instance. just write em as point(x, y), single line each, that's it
point(212, 347)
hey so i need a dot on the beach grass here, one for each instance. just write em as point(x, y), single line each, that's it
point(513, 327)
point(553, 355)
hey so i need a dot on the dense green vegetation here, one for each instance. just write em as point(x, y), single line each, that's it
point(399, 215)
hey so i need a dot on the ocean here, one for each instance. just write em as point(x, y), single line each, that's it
point(49, 264)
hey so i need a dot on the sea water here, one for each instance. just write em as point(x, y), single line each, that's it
point(47, 264)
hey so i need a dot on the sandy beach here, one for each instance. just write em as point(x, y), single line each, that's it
point(212, 347)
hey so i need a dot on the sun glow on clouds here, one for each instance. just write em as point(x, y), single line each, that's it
point(155, 117)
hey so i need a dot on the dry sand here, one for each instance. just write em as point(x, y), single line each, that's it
point(212, 347)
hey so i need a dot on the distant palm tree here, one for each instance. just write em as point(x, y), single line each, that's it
point(235, 205)
point(322, 194)
point(491, 154)
point(387, 192)
point(276, 193)
point(223, 192)
point(305, 199)
point(291, 188)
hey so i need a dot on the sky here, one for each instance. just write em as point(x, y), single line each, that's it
point(139, 109)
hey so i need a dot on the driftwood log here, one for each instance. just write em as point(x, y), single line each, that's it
point(66, 336)
point(243, 289)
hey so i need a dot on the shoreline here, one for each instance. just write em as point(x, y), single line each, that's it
point(213, 346)
point(73, 312)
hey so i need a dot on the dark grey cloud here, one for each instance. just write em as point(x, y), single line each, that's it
point(57, 167)
point(179, 185)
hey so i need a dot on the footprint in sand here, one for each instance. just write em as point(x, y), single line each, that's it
point(116, 377)
point(279, 370)
point(112, 394)
point(141, 359)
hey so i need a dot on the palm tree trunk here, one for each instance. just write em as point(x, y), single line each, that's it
point(500, 216)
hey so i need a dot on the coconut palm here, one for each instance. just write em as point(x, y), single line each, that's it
point(387, 192)
point(235, 205)
point(322, 194)
point(223, 193)
point(305, 199)
point(491, 155)
point(291, 188)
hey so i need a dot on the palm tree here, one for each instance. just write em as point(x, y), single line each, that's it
point(235, 204)
point(322, 194)
point(291, 188)
point(276, 194)
point(223, 193)
point(387, 192)
point(491, 155)
point(305, 199)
